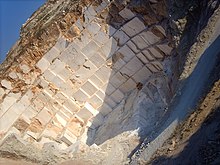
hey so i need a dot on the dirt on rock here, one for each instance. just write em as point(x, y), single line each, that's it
point(197, 140)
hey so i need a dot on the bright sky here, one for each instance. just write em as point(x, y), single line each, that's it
point(14, 13)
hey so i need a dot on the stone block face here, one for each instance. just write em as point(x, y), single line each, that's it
point(109, 48)
point(79, 59)
point(101, 7)
point(75, 126)
point(158, 65)
point(13, 75)
point(7, 84)
point(8, 101)
point(96, 81)
point(90, 49)
point(32, 135)
point(131, 27)
point(43, 83)
point(126, 14)
point(43, 64)
point(84, 114)
point(155, 53)
point(52, 54)
point(98, 120)
point(66, 89)
point(65, 112)
point(111, 30)
point(89, 15)
point(49, 132)
point(101, 38)
point(54, 126)
point(93, 28)
point(142, 75)
point(127, 53)
point(128, 86)
point(80, 96)
point(27, 96)
point(161, 29)
point(91, 109)
point(78, 24)
point(89, 89)
point(132, 46)
point(25, 69)
point(58, 82)
point(148, 55)
point(121, 37)
point(108, 89)
point(117, 80)
point(85, 38)
point(11, 115)
point(78, 43)
point(140, 42)
point(101, 93)
point(165, 48)
point(61, 118)
point(103, 74)
point(45, 96)
point(83, 78)
point(152, 68)
point(68, 138)
point(29, 113)
point(105, 109)
point(118, 64)
point(44, 116)
point(110, 102)
point(86, 71)
point(97, 59)
point(57, 66)
point(95, 101)
point(66, 56)
point(8, 119)
point(92, 11)
point(117, 96)
point(73, 66)
point(73, 32)
point(38, 104)
point(48, 75)
point(142, 58)
point(70, 106)
point(65, 74)
point(134, 65)
point(60, 98)
point(149, 37)
point(2, 92)
point(19, 107)
point(21, 124)
point(61, 44)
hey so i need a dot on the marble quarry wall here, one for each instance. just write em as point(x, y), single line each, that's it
point(108, 75)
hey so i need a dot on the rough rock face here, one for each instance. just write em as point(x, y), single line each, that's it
point(90, 80)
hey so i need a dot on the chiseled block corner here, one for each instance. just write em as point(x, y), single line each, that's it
point(68, 138)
